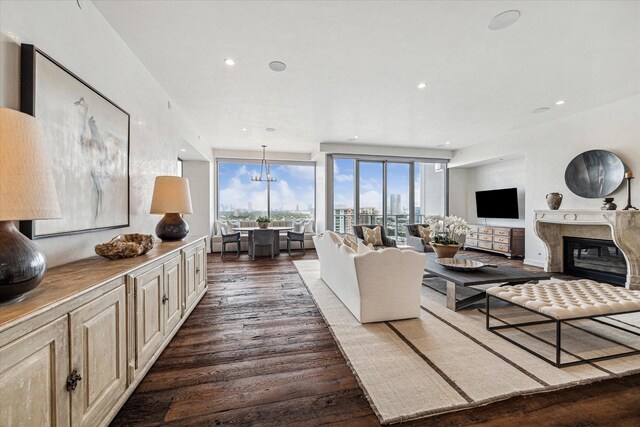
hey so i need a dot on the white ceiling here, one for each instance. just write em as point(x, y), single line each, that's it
point(353, 67)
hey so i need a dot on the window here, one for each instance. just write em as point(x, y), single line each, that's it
point(291, 197)
point(392, 193)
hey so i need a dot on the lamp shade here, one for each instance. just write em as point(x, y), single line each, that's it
point(27, 187)
point(171, 195)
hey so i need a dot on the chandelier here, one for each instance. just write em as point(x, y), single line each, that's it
point(264, 165)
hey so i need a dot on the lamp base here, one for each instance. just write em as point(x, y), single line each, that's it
point(22, 263)
point(172, 227)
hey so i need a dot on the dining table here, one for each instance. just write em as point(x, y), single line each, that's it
point(262, 251)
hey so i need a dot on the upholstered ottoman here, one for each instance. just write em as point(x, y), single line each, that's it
point(561, 302)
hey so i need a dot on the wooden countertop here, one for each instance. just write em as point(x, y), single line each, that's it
point(66, 282)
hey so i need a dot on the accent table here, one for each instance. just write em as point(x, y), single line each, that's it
point(484, 276)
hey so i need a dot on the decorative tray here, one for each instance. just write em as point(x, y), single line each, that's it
point(460, 264)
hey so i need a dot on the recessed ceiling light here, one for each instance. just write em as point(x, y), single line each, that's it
point(183, 150)
point(448, 142)
point(355, 136)
point(504, 19)
point(244, 129)
point(422, 85)
point(270, 129)
point(277, 66)
point(540, 110)
point(230, 62)
point(560, 102)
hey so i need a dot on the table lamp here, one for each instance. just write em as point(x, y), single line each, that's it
point(172, 198)
point(27, 192)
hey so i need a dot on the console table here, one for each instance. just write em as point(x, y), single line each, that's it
point(508, 241)
point(74, 349)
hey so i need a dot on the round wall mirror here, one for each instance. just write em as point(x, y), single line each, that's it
point(594, 174)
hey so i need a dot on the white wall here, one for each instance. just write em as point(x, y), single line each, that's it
point(200, 176)
point(507, 174)
point(83, 41)
point(550, 147)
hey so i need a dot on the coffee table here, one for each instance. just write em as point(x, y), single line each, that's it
point(484, 276)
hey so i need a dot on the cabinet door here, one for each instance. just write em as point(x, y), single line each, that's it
point(201, 269)
point(149, 290)
point(33, 374)
point(190, 285)
point(99, 354)
point(172, 296)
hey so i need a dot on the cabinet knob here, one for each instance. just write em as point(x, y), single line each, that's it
point(165, 299)
point(72, 381)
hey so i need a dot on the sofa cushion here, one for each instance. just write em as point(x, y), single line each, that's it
point(372, 235)
point(363, 249)
point(350, 241)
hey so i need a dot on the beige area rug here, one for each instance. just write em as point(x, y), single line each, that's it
point(447, 361)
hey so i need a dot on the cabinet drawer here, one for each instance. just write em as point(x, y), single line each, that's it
point(472, 235)
point(473, 228)
point(485, 237)
point(501, 231)
point(500, 247)
point(485, 230)
point(501, 239)
point(471, 242)
point(485, 245)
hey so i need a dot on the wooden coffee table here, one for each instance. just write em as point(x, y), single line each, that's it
point(484, 276)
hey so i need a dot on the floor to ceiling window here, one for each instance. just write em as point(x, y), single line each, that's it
point(291, 197)
point(392, 193)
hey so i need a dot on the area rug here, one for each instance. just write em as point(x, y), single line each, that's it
point(447, 361)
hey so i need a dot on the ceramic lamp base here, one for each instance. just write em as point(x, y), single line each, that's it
point(22, 263)
point(172, 227)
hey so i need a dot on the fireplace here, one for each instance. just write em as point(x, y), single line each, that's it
point(595, 259)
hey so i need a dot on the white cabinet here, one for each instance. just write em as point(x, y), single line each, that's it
point(201, 269)
point(190, 281)
point(172, 298)
point(33, 375)
point(149, 314)
point(99, 356)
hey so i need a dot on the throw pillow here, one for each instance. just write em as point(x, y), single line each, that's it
point(424, 234)
point(308, 226)
point(298, 226)
point(222, 228)
point(363, 249)
point(350, 241)
point(372, 235)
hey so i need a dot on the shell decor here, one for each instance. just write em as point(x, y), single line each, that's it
point(126, 246)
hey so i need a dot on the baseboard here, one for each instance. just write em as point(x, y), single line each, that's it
point(534, 263)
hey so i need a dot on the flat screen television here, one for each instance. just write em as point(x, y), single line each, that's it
point(501, 203)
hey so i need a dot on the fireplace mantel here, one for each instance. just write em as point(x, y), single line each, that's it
point(623, 227)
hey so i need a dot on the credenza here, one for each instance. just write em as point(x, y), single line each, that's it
point(74, 349)
point(508, 241)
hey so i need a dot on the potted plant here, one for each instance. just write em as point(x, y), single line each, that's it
point(263, 221)
point(445, 231)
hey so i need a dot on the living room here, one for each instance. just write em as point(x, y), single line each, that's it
point(242, 145)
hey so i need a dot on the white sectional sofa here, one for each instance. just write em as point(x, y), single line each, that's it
point(375, 286)
point(216, 239)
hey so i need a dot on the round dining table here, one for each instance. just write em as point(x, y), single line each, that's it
point(262, 251)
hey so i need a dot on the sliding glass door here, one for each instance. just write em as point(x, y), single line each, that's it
point(392, 193)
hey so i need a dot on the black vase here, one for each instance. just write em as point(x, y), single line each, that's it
point(22, 263)
point(172, 227)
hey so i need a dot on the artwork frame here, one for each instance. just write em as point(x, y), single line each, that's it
point(90, 151)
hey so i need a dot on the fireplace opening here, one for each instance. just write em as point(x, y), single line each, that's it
point(595, 259)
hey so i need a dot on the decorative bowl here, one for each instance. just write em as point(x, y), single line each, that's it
point(125, 246)
point(459, 264)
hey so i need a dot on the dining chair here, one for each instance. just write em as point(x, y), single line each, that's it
point(262, 238)
point(293, 236)
point(230, 238)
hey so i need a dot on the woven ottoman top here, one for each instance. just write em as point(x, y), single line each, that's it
point(572, 299)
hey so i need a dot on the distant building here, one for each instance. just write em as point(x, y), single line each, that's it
point(396, 204)
point(343, 220)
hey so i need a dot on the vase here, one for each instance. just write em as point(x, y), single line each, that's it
point(263, 224)
point(609, 205)
point(554, 200)
point(445, 251)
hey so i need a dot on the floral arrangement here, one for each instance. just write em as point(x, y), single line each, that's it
point(446, 230)
point(263, 219)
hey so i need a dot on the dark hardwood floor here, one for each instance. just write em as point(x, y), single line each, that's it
point(256, 351)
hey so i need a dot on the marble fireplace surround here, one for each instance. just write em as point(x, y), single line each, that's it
point(623, 227)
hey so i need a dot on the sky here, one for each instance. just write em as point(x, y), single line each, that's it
point(295, 187)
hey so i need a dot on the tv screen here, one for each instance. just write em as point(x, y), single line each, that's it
point(497, 203)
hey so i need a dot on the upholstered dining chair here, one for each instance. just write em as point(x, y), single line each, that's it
point(230, 238)
point(293, 236)
point(262, 238)
point(415, 240)
point(386, 241)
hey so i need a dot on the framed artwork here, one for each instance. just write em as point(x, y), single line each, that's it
point(87, 137)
